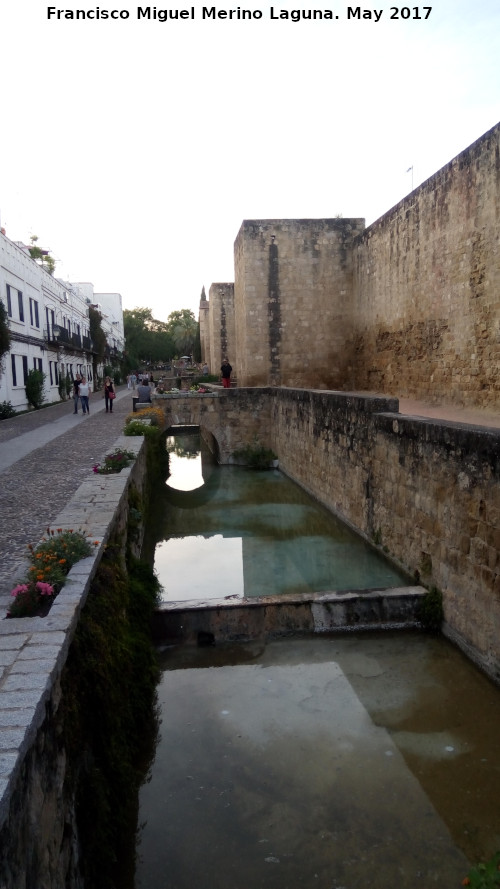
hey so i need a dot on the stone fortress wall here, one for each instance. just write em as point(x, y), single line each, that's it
point(409, 306)
point(221, 331)
point(426, 298)
point(293, 280)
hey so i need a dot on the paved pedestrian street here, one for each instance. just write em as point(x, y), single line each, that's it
point(62, 449)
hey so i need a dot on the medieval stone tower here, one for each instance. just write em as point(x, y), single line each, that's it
point(408, 307)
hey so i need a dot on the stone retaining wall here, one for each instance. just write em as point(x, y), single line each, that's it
point(37, 821)
point(427, 491)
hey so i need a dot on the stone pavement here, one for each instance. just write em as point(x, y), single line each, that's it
point(44, 457)
point(463, 415)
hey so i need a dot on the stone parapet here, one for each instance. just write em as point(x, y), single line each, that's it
point(34, 815)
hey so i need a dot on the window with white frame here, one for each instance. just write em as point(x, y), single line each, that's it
point(54, 373)
point(34, 316)
point(12, 293)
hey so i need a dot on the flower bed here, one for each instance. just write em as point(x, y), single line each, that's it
point(116, 461)
point(51, 561)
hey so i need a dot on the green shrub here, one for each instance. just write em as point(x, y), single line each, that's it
point(484, 876)
point(430, 611)
point(207, 378)
point(34, 388)
point(137, 427)
point(6, 410)
point(255, 456)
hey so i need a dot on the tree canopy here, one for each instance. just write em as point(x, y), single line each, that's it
point(147, 340)
point(184, 328)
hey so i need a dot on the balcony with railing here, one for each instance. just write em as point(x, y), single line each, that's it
point(57, 335)
point(51, 334)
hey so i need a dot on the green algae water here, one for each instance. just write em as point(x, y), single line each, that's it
point(356, 761)
point(232, 531)
point(362, 761)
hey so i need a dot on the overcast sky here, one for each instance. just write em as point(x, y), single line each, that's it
point(135, 148)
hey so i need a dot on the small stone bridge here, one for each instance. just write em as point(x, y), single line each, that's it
point(228, 419)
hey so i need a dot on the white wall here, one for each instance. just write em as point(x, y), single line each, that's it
point(39, 306)
point(112, 323)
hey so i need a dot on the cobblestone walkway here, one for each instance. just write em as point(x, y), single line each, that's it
point(36, 488)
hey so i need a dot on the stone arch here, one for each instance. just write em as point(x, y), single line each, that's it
point(189, 411)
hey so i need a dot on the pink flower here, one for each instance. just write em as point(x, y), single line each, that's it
point(95, 468)
point(20, 588)
point(45, 589)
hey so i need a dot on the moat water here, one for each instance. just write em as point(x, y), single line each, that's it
point(353, 761)
point(232, 531)
point(357, 761)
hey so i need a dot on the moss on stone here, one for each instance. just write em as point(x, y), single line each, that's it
point(110, 716)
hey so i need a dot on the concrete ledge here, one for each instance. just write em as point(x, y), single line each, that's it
point(139, 405)
point(244, 620)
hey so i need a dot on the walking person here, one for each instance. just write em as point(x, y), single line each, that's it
point(76, 392)
point(226, 374)
point(84, 396)
point(109, 394)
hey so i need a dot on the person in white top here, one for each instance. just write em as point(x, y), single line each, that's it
point(84, 393)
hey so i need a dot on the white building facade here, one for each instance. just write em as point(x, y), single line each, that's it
point(49, 328)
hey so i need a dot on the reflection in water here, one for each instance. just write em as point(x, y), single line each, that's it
point(185, 461)
point(247, 533)
point(355, 761)
point(186, 562)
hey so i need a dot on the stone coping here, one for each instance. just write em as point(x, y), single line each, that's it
point(33, 650)
point(163, 396)
point(333, 596)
